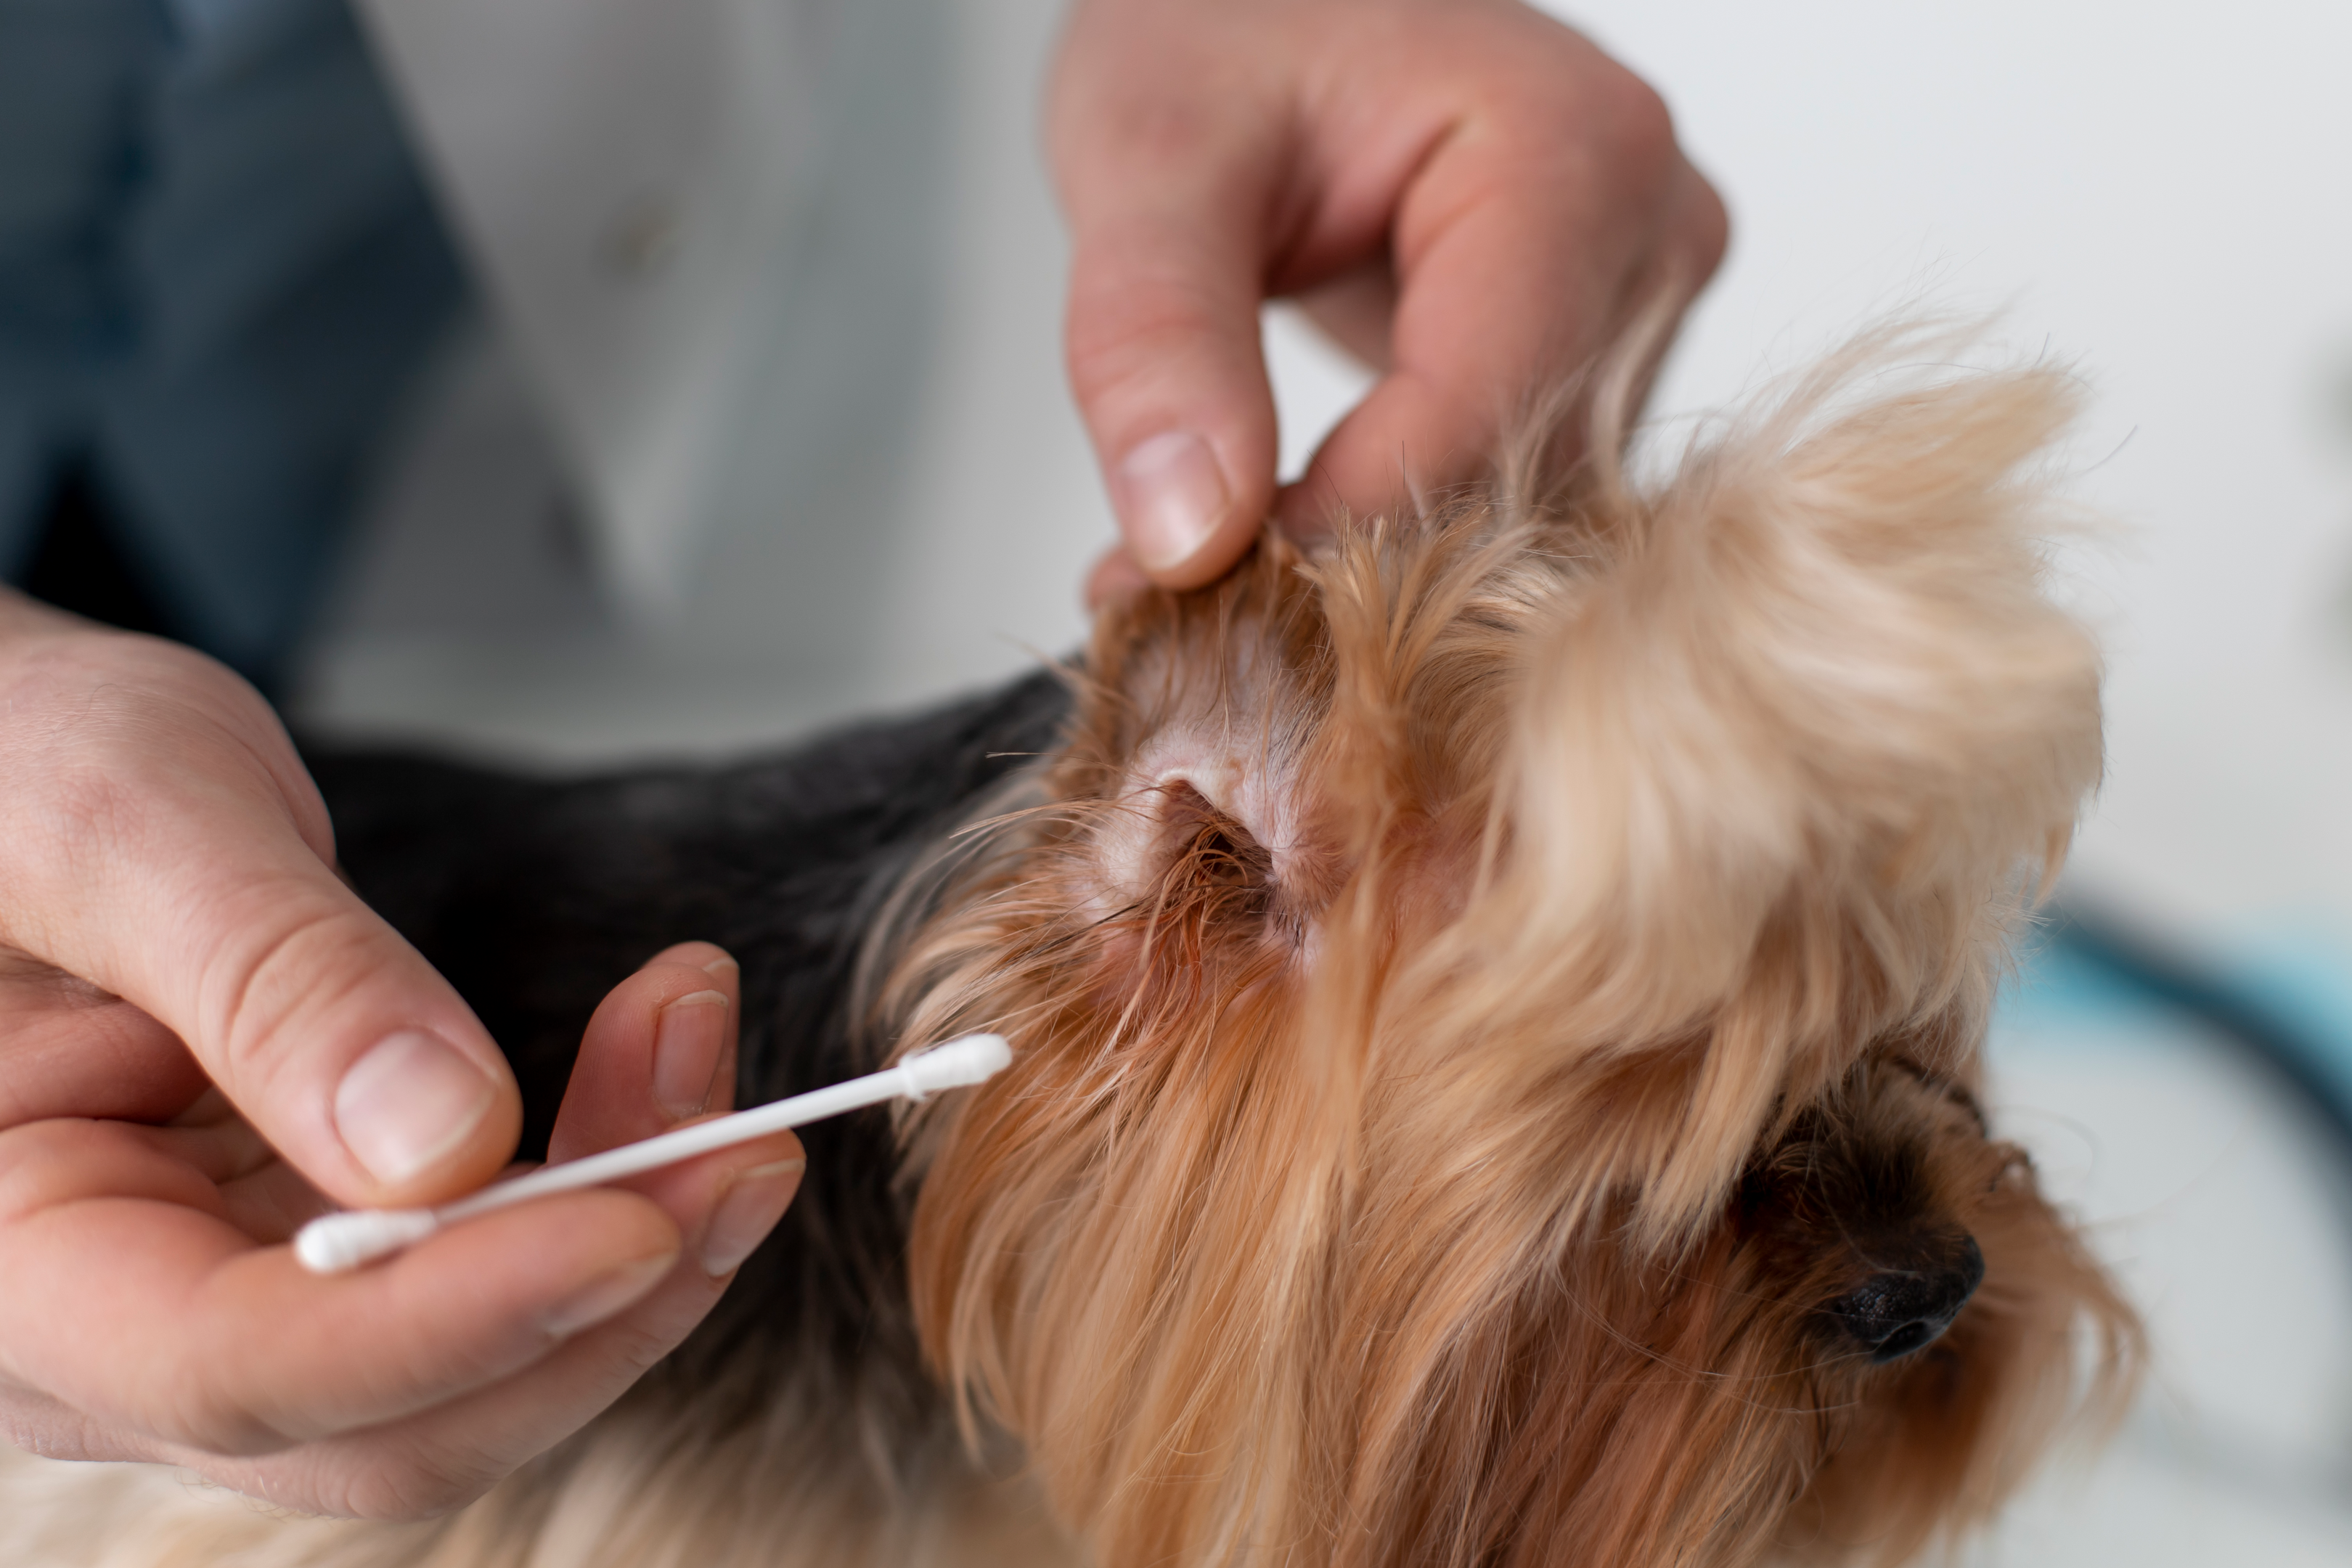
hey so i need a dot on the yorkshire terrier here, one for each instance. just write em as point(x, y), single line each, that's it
point(1497, 1001)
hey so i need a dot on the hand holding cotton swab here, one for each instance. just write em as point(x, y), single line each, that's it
point(336, 1243)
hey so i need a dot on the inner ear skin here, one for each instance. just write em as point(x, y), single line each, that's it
point(1187, 773)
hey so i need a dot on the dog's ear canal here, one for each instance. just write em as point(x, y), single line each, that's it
point(1210, 856)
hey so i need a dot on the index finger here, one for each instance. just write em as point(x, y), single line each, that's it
point(131, 1298)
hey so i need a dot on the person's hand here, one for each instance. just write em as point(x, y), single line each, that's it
point(205, 1039)
point(1469, 195)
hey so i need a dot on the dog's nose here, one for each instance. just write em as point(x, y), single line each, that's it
point(1899, 1310)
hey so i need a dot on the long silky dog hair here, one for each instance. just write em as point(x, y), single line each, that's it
point(1497, 1000)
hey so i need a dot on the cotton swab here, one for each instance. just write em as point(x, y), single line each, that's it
point(337, 1243)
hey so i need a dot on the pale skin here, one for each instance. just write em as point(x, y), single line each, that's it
point(205, 1037)
point(1466, 194)
point(177, 948)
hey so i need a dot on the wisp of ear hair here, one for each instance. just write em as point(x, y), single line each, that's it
point(337, 1243)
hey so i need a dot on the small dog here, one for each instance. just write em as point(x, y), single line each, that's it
point(1497, 1003)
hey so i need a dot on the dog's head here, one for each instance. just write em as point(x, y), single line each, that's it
point(1497, 1003)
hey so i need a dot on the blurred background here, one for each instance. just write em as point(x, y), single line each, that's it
point(2153, 193)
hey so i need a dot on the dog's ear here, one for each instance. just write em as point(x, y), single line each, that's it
point(1800, 744)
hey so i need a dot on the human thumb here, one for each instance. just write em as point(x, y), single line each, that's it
point(167, 845)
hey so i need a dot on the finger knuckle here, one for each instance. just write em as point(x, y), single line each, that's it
point(90, 677)
point(45, 1164)
point(1642, 125)
point(97, 810)
point(1114, 344)
point(1616, 136)
point(420, 1486)
point(1211, 114)
point(104, 735)
point(197, 1411)
point(638, 1341)
point(1581, 102)
point(284, 948)
point(1706, 227)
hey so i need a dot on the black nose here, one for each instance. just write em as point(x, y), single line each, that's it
point(1901, 1310)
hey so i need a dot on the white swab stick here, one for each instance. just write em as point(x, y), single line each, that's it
point(337, 1243)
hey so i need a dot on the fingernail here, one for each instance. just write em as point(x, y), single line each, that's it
point(687, 1040)
point(606, 1296)
point(722, 966)
point(1171, 496)
point(408, 1104)
point(747, 1214)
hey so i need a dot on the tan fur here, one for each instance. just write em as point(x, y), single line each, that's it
point(1479, 989)
point(1420, 943)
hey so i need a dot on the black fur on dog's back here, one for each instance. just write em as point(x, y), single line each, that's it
point(535, 897)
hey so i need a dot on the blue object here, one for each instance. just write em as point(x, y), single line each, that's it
point(2287, 1007)
point(220, 270)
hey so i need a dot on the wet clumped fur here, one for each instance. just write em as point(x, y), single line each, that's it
point(1497, 1002)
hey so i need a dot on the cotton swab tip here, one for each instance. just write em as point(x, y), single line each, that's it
point(339, 1243)
point(972, 1059)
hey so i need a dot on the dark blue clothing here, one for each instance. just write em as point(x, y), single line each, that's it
point(219, 271)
